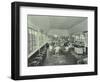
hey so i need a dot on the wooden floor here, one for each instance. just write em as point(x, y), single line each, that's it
point(59, 59)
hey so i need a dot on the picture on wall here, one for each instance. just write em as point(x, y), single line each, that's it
point(53, 40)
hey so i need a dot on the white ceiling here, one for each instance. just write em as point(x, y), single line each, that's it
point(64, 22)
point(52, 24)
point(55, 22)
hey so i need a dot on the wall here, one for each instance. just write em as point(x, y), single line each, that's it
point(5, 41)
point(59, 32)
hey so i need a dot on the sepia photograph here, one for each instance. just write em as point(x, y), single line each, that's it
point(57, 40)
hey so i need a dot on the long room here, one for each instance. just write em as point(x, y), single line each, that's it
point(57, 40)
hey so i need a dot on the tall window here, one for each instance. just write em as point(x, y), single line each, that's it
point(32, 40)
point(36, 39)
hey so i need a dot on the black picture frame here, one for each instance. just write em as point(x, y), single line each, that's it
point(15, 39)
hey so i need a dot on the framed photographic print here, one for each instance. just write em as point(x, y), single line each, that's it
point(53, 40)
